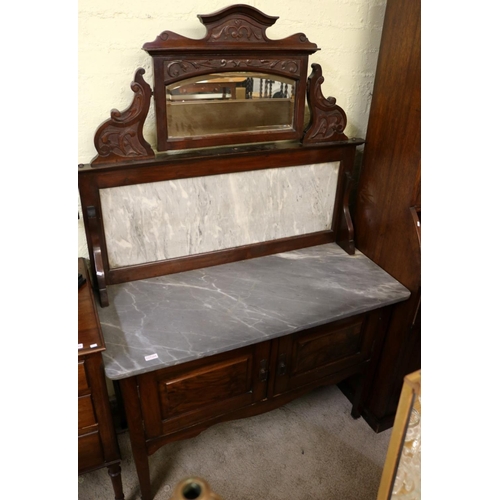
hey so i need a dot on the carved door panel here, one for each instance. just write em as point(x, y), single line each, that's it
point(180, 396)
point(311, 355)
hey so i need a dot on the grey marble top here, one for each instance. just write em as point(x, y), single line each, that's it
point(164, 321)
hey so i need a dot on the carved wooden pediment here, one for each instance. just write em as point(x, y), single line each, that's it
point(240, 26)
point(235, 46)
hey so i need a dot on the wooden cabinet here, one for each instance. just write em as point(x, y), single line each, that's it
point(181, 401)
point(254, 368)
point(97, 444)
point(387, 212)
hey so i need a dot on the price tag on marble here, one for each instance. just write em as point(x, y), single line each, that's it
point(151, 356)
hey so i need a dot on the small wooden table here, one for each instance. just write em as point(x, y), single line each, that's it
point(97, 444)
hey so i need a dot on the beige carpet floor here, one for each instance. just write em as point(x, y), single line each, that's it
point(308, 449)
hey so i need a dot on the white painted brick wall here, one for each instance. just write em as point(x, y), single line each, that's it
point(111, 34)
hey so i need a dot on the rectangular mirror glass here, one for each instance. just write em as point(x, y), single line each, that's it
point(222, 103)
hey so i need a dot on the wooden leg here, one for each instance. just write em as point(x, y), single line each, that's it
point(115, 473)
point(360, 378)
point(136, 433)
point(119, 405)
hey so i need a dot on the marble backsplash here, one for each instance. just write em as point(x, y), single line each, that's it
point(168, 219)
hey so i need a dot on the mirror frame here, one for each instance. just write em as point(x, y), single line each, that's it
point(235, 40)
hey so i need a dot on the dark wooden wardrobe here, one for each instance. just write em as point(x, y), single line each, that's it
point(387, 207)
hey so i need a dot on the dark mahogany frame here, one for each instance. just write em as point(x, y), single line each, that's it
point(235, 40)
point(124, 157)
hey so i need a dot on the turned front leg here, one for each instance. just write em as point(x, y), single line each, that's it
point(115, 473)
point(136, 433)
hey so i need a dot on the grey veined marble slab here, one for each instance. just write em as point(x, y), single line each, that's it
point(163, 220)
point(159, 322)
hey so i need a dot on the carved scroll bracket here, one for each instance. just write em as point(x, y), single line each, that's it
point(328, 120)
point(120, 138)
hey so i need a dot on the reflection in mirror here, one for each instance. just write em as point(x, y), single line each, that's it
point(229, 102)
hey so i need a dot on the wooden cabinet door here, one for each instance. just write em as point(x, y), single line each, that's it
point(180, 396)
point(316, 353)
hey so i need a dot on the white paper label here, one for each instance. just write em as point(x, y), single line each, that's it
point(93, 345)
point(80, 346)
point(151, 356)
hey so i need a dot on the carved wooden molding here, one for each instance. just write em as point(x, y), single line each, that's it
point(186, 68)
point(234, 25)
point(120, 138)
point(328, 120)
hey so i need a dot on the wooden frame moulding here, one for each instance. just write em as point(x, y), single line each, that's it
point(409, 393)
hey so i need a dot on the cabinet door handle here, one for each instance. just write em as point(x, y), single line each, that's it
point(282, 364)
point(263, 372)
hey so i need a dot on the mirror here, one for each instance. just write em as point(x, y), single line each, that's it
point(222, 103)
